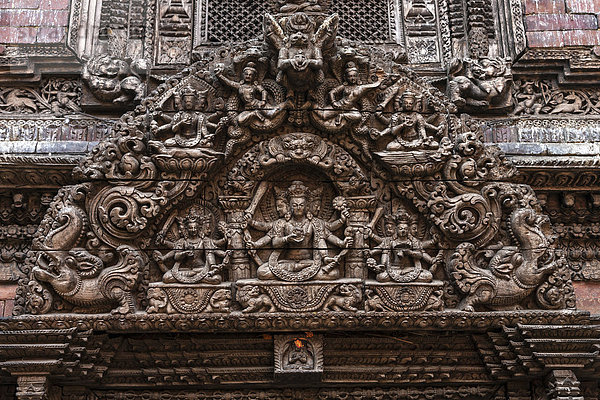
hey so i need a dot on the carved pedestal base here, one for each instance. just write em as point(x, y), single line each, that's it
point(414, 296)
point(340, 295)
point(414, 163)
point(188, 299)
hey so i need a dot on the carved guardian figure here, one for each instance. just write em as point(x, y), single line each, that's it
point(512, 273)
point(84, 279)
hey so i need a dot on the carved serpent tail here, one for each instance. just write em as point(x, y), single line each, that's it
point(66, 236)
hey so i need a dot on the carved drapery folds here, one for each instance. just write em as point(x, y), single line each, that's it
point(298, 174)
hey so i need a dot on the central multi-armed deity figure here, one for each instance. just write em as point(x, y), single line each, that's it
point(300, 242)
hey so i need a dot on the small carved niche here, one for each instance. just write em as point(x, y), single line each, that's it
point(298, 358)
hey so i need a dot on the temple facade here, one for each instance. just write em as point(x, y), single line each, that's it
point(288, 199)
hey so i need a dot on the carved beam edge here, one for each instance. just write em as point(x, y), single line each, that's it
point(317, 321)
point(519, 353)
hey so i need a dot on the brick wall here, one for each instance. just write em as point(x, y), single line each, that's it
point(588, 296)
point(562, 23)
point(7, 296)
point(33, 21)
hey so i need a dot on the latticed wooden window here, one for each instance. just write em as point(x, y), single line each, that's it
point(363, 20)
point(239, 20)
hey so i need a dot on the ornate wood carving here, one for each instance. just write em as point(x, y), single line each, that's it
point(297, 175)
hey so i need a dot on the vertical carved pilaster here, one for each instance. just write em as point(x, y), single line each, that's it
point(32, 387)
point(563, 385)
point(360, 209)
point(234, 208)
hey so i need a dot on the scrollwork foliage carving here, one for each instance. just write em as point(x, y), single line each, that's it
point(299, 174)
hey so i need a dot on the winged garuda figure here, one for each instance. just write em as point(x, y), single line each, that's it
point(300, 48)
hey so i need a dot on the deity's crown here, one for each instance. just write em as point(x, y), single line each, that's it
point(297, 189)
point(351, 66)
point(408, 94)
point(400, 216)
point(194, 215)
point(188, 91)
point(250, 66)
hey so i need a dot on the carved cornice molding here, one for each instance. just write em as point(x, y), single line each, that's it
point(37, 172)
point(531, 350)
point(282, 322)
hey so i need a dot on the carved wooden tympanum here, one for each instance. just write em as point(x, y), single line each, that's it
point(298, 174)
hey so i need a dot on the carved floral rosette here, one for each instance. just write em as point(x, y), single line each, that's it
point(300, 147)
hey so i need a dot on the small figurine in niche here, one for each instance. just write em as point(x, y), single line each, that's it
point(407, 126)
point(253, 96)
point(193, 253)
point(298, 356)
point(529, 101)
point(402, 254)
point(346, 98)
point(300, 242)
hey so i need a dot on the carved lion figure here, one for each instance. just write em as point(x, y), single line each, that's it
point(112, 80)
point(157, 300)
point(373, 302)
point(346, 298)
point(253, 301)
point(220, 301)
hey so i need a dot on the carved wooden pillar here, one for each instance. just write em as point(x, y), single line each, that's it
point(360, 212)
point(234, 208)
point(32, 387)
point(562, 384)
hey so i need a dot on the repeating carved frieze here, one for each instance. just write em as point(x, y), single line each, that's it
point(535, 97)
point(449, 393)
point(53, 96)
point(297, 174)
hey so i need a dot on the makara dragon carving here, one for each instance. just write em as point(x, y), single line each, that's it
point(297, 173)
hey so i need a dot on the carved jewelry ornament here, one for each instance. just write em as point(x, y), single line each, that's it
point(300, 174)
